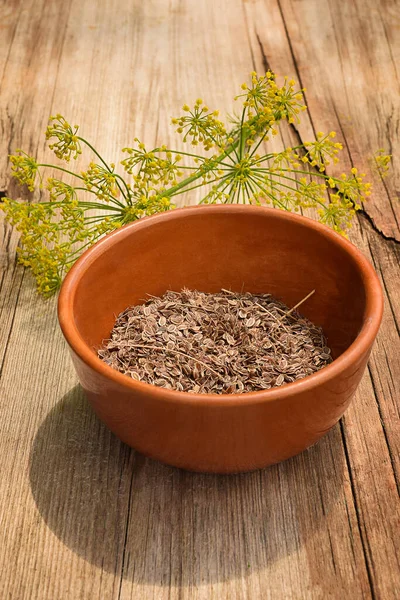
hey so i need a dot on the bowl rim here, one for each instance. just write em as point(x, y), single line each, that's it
point(361, 344)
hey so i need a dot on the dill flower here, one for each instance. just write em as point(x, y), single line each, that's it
point(201, 126)
point(159, 166)
point(24, 168)
point(320, 152)
point(101, 180)
point(67, 143)
point(382, 162)
point(353, 188)
point(263, 95)
point(338, 214)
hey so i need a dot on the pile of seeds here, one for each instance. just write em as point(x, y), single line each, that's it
point(215, 343)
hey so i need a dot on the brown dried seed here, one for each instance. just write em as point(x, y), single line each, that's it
point(250, 322)
point(176, 319)
point(230, 339)
point(181, 338)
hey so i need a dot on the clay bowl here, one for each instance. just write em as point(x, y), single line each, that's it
point(207, 248)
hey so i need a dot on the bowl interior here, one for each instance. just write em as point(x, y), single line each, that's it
point(255, 250)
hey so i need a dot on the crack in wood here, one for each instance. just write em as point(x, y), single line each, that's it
point(384, 236)
point(123, 563)
point(362, 210)
point(385, 433)
point(253, 62)
point(9, 333)
point(263, 55)
point(364, 542)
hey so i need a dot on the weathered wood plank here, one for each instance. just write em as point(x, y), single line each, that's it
point(81, 515)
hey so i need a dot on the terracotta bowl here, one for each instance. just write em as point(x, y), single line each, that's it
point(256, 249)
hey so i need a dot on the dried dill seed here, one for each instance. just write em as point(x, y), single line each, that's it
point(215, 343)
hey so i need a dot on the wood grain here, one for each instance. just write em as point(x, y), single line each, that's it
point(83, 516)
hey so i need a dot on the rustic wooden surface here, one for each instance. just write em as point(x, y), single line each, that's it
point(81, 515)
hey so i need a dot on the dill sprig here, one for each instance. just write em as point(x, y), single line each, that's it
point(234, 169)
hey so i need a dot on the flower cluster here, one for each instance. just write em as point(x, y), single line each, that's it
point(67, 144)
point(352, 187)
point(201, 126)
point(264, 97)
point(24, 168)
point(102, 180)
point(55, 232)
point(382, 162)
point(160, 166)
point(41, 249)
point(320, 152)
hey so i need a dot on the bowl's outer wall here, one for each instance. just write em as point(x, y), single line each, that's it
point(256, 250)
point(219, 439)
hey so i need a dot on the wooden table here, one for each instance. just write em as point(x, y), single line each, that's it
point(82, 515)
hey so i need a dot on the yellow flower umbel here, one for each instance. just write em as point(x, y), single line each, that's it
point(382, 162)
point(201, 125)
point(67, 144)
point(320, 153)
point(40, 248)
point(103, 181)
point(263, 95)
point(24, 168)
point(237, 169)
point(160, 166)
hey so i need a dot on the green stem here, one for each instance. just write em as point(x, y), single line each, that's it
point(112, 198)
point(259, 144)
point(95, 152)
point(178, 152)
point(301, 192)
point(97, 217)
point(87, 205)
point(60, 169)
point(173, 190)
point(274, 154)
point(218, 186)
point(248, 190)
point(274, 183)
point(128, 197)
point(270, 195)
point(223, 190)
point(309, 173)
point(72, 256)
point(241, 134)
point(200, 185)
point(231, 196)
point(250, 184)
point(202, 158)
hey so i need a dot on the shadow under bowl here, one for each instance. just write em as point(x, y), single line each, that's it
point(207, 248)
